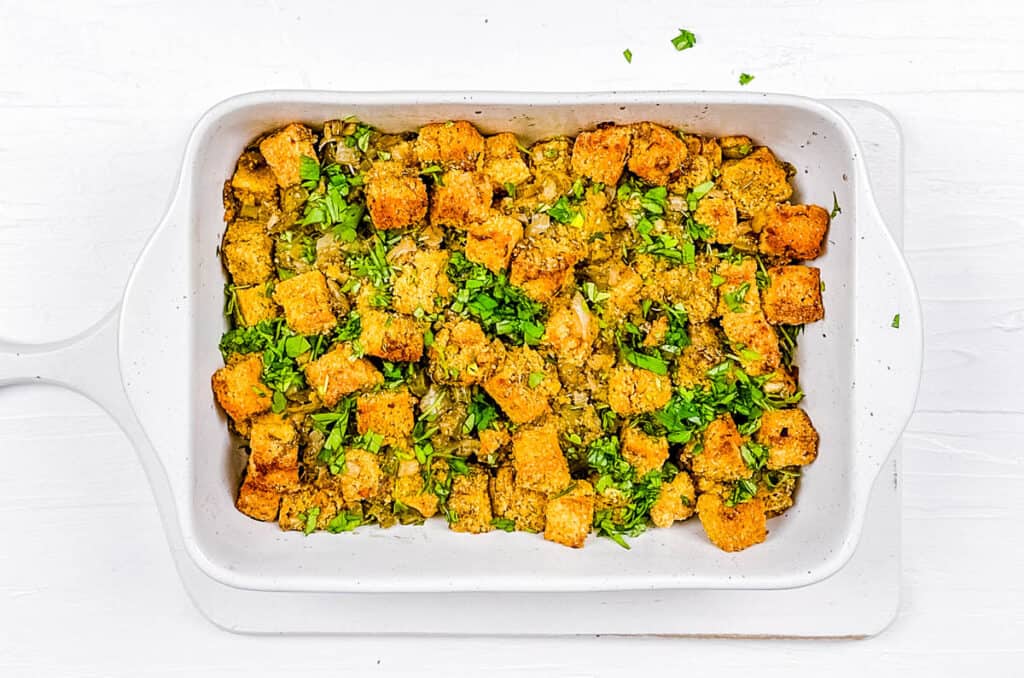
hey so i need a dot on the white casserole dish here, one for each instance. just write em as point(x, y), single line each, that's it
point(149, 363)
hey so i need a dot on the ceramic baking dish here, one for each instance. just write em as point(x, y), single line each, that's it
point(149, 364)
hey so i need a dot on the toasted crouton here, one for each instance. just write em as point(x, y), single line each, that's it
point(735, 147)
point(693, 287)
point(601, 154)
point(306, 303)
point(676, 501)
point(239, 390)
point(462, 354)
point(732, 528)
point(793, 296)
point(643, 452)
point(718, 211)
point(632, 390)
point(255, 305)
point(754, 340)
point(421, 283)
point(410, 490)
point(704, 157)
point(510, 385)
point(284, 150)
point(390, 336)
point(360, 478)
point(778, 497)
point(704, 352)
point(492, 440)
point(789, 436)
point(455, 144)
point(258, 502)
point(253, 181)
point(791, 231)
point(339, 372)
point(387, 413)
point(461, 199)
point(470, 503)
point(514, 502)
point(491, 242)
point(503, 164)
point(656, 153)
point(538, 460)
point(309, 509)
point(738, 291)
point(543, 265)
point(570, 332)
point(720, 457)
point(568, 517)
point(550, 156)
point(248, 252)
point(755, 182)
point(274, 453)
point(395, 197)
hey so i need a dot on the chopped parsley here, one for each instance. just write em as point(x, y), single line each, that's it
point(506, 524)
point(309, 518)
point(896, 321)
point(734, 299)
point(501, 308)
point(535, 379)
point(746, 78)
point(836, 209)
point(481, 413)
point(628, 56)
point(685, 40)
point(743, 491)
point(345, 521)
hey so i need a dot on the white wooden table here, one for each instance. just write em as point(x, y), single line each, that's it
point(96, 100)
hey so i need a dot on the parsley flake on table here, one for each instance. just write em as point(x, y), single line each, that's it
point(896, 321)
point(685, 40)
point(746, 78)
point(628, 54)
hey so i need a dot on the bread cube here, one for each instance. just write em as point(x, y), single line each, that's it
point(274, 453)
point(255, 305)
point(306, 303)
point(544, 265)
point(550, 155)
point(789, 436)
point(643, 452)
point(461, 199)
point(421, 284)
point(283, 151)
point(510, 385)
point(339, 372)
point(600, 155)
point(791, 231)
point(248, 252)
point(738, 293)
point(754, 341)
point(393, 337)
point(676, 501)
point(632, 390)
point(793, 296)
point(718, 211)
point(503, 164)
point(387, 413)
point(360, 478)
point(297, 507)
point(470, 502)
point(492, 440)
point(491, 242)
point(410, 490)
point(395, 197)
point(756, 182)
point(454, 144)
point(704, 352)
point(569, 517)
point(462, 354)
point(240, 391)
point(703, 160)
point(538, 460)
point(253, 180)
point(568, 335)
point(693, 287)
point(720, 459)
point(735, 147)
point(257, 501)
point(514, 502)
point(778, 499)
point(732, 528)
point(656, 153)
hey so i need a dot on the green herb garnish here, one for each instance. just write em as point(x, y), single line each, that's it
point(628, 55)
point(746, 78)
point(685, 40)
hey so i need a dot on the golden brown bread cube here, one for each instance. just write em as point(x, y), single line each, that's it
point(240, 391)
point(360, 478)
point(258, 502)
point(570, 332)
point(283, 151)
point(339, 372)
point(793, 296)
point(550, 155)
point(455, 144)
point(736, 146)
point(462, 354)
point(791, 231)
point(656, 153)
point(421, 283)
point(503, 164)
point(692, 287)
point(510, 500)
point(253, 178)
point(255, 305)
point(387, 413)
point(643, 452)
point(248, 252)
point(755, 182)
point(779, 498)
point(410, 490)
point(703, 353)
point(718, 211)
point(306, 303)
point(391, 336)
point(703, 160)
point(676, 501)
point(738, 292)
point(568, 518)
point(490, 243)
point(632, 390)
point(601, 154)
point(274, 453)
point(298, 507)
point(538, 460)
point(720, 458)
point(543, 265)
point(754, 341)
point(395, 196)
point(732, 528)
point(461, 199)
point(510, 385)
point(789, 436)
point(492, 440)
point(624, 287)
point(470, 502)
